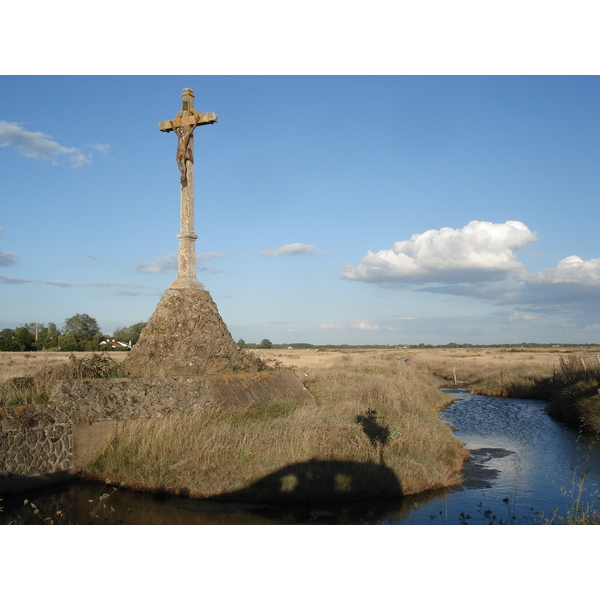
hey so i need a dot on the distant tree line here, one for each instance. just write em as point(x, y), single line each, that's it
point(304, 345)
point(80, 333)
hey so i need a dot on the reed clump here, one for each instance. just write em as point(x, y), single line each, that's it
point(375, 423)
point(575, 393)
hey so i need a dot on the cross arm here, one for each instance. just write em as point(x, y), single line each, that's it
point(187, 120)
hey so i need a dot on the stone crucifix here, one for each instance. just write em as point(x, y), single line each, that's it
point(183, 125)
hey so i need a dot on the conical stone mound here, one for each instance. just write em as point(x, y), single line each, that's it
point(186, 336)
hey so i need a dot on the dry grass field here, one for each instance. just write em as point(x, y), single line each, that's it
point(493, 371)
point(24, 364)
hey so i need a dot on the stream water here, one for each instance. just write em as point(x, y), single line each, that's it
point(523, 463)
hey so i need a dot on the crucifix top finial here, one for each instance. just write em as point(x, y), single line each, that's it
point(183, 125)
point(187, 99)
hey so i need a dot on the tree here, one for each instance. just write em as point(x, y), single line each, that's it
point(241, 343)
point(68, 343)
point(266, 344)
point(7, 341)
point(82, 327)
point(129, 334)
point(24, 339)
point(52, 334)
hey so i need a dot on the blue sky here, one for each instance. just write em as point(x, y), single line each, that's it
point(329, 209)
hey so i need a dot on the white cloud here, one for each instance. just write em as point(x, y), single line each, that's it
point(102, 148)
point(570, 270)
point(168, 263)
point(163, 264)
point(293, 250)
point(365, 324)
point(330, 326)
point(479, 261)
point(35, 144)
point(480, 251)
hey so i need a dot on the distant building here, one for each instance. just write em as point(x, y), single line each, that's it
point(116, 344)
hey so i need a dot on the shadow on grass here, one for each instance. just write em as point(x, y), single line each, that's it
point(378, 435)
point(320, 481)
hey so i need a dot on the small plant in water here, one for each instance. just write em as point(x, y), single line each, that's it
point(98, 506)
point(56, 519)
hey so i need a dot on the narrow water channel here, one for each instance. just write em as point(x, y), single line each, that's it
point(523, 463)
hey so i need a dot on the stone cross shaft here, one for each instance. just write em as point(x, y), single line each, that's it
point(183, 125)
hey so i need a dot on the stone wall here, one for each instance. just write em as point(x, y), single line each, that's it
point(47, 443)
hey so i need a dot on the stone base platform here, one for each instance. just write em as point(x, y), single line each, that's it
point(186, 336)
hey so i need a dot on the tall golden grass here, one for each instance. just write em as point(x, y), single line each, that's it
point(371, 410)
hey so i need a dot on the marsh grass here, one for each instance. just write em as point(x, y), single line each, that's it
point(214, 452)
point(575, 395)
point(494, 372)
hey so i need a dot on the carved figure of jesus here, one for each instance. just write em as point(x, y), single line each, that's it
point(184, 152)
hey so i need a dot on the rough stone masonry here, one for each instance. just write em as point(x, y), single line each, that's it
point(186, 335)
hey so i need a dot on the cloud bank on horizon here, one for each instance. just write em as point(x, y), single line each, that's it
point(480, 260)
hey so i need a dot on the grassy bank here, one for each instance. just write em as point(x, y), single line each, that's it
point(565, 378)
point(375, 432)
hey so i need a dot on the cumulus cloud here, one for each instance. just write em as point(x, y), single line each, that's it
point(479, 261)
point(168, 263)
point(480, 251)
point(293, 250)
point(572, 270)
point(35, 144)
